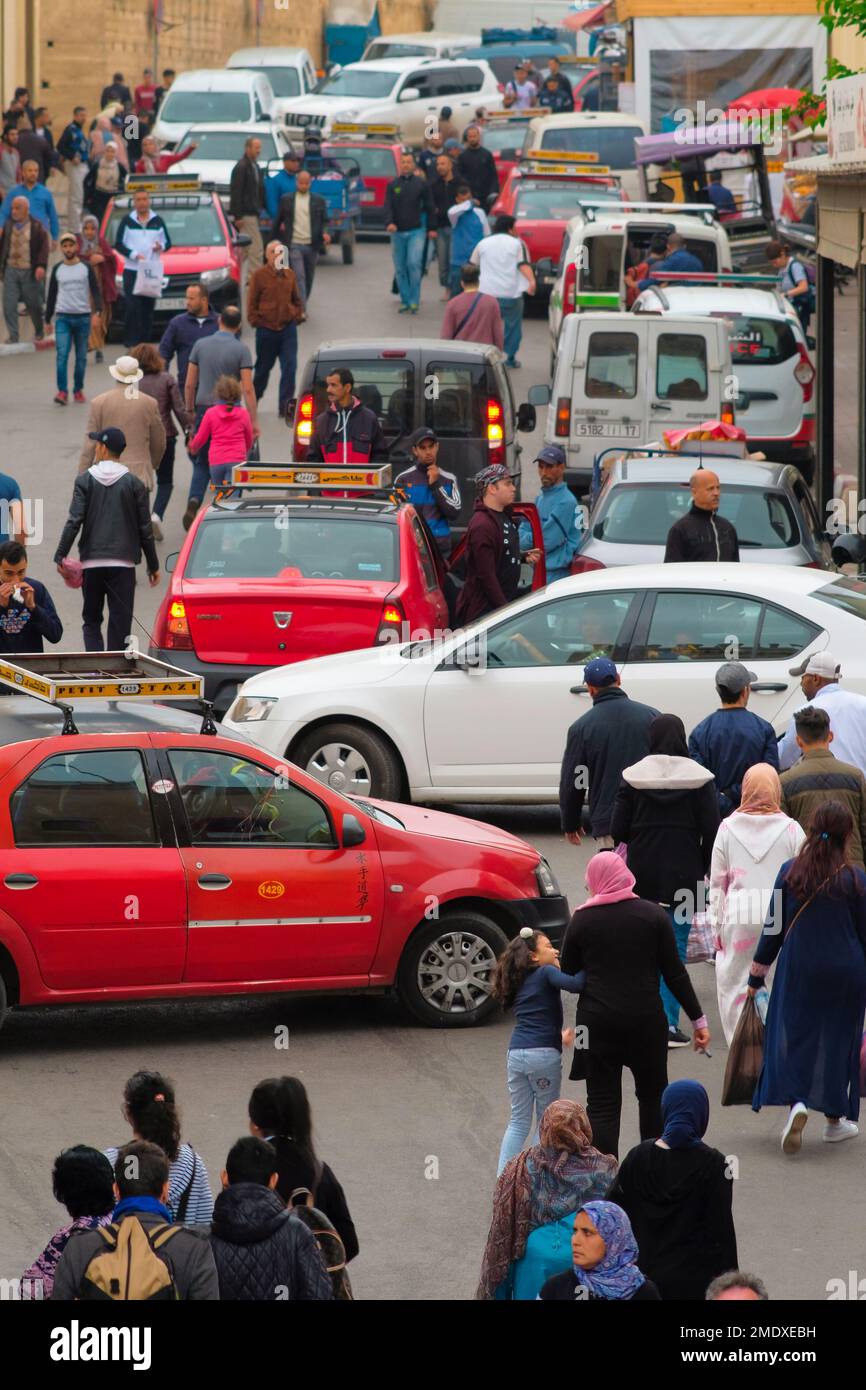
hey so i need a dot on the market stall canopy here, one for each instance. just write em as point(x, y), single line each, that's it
point(767, 99)
point(691, 141)
point(586, 19)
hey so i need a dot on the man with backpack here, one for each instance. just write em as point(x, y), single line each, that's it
point(263, 1252)
point(794, 282)
point(141, 1256)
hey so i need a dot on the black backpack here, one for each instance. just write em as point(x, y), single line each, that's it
point(331, 1247)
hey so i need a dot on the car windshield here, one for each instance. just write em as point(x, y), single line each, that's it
point(378, 814)
point(558, 201)
point(614, 144)
point(359, 84)
point(505, 139)
point(205, 106)
point(190, 222)
point(228, 144)
point(384, 49)
point(759, 342)
point(284, 81)
point(293, 545)
point(848, 594)
point(642, 514)
point(372, 163)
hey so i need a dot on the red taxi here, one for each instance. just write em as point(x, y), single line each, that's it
point(270, 576)
point(204, 247)
point(544, 201)
point(165, 865)
point(376, 149)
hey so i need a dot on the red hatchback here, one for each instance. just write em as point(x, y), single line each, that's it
point(164, 865)
point(378, 162)
point(543, 204)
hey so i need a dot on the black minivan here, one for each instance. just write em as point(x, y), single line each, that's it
point(461, 390)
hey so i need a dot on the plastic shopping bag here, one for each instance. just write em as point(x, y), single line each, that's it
point(702, 940)
point(148, 278)
point(745, 1058)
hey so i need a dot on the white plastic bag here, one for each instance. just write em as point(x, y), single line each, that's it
point(149, 278)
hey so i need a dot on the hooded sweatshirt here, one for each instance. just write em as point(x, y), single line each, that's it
point(110, 507)
point(667, 813)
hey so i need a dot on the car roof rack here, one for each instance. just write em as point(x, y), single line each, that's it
point(368, 130)
point(60, 677)
point(715, 277)
point(509, 114)
point(706, 211)
point(165, 183)
point(295, 477)
point(528, 164)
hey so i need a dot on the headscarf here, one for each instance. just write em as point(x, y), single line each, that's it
point(761, 791)
point(667, 734)
point(617, 1275)
point(87, 244)
point(541, 1185)
point(685, 1114)
point(608, 879)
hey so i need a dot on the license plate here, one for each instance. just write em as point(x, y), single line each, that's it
point(614, 429)
point(174, 302)
point(368, 197)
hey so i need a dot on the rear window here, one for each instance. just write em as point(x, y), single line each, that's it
point(372, 163)
point(455, 396)
point(681, 367)
point(505, 140)
point(611, 367)
point(613, 144)
point(643, 515)
point(764, 342)
point(205, 106)
point(396, 50)
point(294, 547)
point(847, 594)
point(386, 387)
point(286, 82)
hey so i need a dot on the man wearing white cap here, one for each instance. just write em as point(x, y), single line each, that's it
point(819, 678)
point(137, 415)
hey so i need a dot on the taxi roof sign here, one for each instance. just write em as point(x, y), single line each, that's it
point(163, 183)
point(59, 677)
point(283, 476)
point(542, 167)
point(365, 128)
point(509, 114)
point(564, 156)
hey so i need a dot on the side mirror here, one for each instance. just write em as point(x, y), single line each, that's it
point(538, 395)
point(848, 549)
point(241, 239)
point(409, 94)
point(353, 832)
point(469, 659)
point(526, 417)
point(171, 562)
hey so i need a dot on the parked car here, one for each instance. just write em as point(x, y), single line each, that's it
point(378, 161)
point(776, 380)
point(220, 147)
point(608, 135)
point(770, 505)
point(462, 390)
point(290, 71)
point(212, 95)
point(483, 717)
point(424, 44)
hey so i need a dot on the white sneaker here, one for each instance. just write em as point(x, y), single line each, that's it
point(157, 529)
point(792, 1134)
point(842, 1129)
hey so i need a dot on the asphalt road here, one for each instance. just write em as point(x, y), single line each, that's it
point(388, 1098)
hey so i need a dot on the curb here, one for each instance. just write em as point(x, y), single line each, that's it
point(15, 349)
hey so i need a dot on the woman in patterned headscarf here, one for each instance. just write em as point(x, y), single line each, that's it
point(536, 1196)
point(604, 1255)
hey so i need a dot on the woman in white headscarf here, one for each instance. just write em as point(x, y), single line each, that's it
point(105, 180)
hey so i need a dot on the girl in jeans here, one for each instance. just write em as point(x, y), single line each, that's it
point(528, 979)
point(228, 427)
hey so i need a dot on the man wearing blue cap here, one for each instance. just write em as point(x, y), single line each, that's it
point(610, 737)
point(557, 511)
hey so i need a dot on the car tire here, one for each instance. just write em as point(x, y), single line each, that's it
point(349, 749)
point(347, 246)
point(462, 1003)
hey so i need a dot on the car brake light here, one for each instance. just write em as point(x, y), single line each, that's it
point(726, 414)
point(582, 564)
point(804, 374)
point(304, 426)
point(563, 416)
point(391, 621)
point(569, 291)
point(177, 634)
point(394, 352)
point(495, 432)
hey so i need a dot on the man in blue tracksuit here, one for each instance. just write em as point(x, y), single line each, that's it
point(469, 225)
point(557, 511)
point(432, 492)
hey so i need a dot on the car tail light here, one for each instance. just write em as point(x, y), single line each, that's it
point(569, 289)
point(495, 432)
point(303, 426)
point(582, 564)
point(391, 622)
point(563, 416)
point(177, 634)
point(804, 374)
point(726, 414)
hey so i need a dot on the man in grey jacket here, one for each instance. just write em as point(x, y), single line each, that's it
point(142, 1198)
point(110, 508)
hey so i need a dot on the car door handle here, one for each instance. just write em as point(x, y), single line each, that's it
point(213, 883)
point(659, 405)
point(770, 686)
point(579, 690)
point(20, 881)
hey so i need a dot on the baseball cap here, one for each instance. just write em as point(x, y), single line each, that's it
point(600, 671)
point(67, 236)
point(113, 439)
point(735, 676)
point(551, 453)
point(425, 432)
point(822, 664)
point(493, 473)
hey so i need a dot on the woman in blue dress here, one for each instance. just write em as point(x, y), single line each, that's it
point(817, 928)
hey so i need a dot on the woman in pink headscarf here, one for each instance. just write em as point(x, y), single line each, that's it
point(624, 943)
point(750, 848)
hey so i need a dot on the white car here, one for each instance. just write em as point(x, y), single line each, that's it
point(407, 92)
point(221, 146)
point(239, 98)
point(606, 137)
point(776, 380)
point(428, 44)
point(427, 721)
point(290, 71)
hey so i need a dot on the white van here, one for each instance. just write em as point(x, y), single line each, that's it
point(420, 45)
point(290, 71)
point(625, 378)
point(601, 242)
point(606, 136)
point(239, 97)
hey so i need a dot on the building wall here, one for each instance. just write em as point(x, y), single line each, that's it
point(847, 47)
